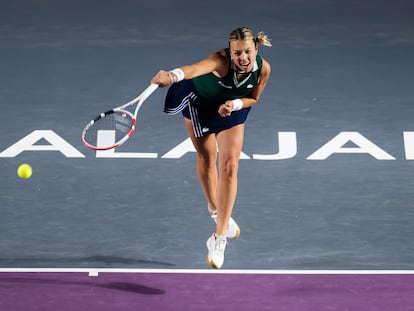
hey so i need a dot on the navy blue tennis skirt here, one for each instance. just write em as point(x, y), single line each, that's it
point(182, 97)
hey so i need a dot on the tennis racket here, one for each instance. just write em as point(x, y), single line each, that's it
point(120, 121)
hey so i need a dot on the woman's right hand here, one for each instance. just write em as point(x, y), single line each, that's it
point(162, 78)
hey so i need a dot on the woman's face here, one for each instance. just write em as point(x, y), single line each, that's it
point(243, 54)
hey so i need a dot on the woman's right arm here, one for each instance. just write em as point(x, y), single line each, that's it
point(214, 62)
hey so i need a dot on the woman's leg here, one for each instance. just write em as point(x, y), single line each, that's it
point(230, 143)
point(206, 148)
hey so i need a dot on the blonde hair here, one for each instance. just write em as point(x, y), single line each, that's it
point(245, 33)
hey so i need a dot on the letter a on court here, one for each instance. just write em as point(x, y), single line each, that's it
point(28, 143)
point(337, 145)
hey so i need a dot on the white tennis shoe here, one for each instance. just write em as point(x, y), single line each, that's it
point(216, 247)
point(233, 229)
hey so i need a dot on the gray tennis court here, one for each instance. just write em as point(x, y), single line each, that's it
point(326, 176)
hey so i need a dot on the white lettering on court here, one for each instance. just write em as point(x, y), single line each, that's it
point(363, 145)
point(28, 143)
point(287, 148)
point(106, 138)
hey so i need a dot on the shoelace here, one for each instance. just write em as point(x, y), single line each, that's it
point(220, 245)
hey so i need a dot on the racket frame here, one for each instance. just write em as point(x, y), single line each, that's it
point(139, 100)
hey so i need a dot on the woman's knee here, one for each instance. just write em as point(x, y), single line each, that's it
point(229, 166)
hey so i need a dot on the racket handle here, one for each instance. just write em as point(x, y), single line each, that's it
point(148, 91)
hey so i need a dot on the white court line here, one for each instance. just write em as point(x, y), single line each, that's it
point(96, 271)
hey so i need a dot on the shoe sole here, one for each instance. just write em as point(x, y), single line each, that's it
point(210, 262)
point(236, 235)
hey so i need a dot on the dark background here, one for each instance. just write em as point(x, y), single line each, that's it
point(336, 66)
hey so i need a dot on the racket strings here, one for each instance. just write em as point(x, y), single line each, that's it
point(109, 129)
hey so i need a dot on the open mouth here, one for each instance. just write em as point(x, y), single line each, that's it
point(243, 67)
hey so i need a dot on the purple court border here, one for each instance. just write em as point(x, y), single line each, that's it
point(67, 291)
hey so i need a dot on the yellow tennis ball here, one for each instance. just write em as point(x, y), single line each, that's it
point(24, 171)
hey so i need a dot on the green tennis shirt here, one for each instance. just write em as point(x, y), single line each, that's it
point(217, 90)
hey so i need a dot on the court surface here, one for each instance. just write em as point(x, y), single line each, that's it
point(325, 200)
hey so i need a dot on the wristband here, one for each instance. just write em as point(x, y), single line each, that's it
point(237, 104)
point(177, 74)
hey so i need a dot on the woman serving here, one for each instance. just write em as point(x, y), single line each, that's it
point(215, 96)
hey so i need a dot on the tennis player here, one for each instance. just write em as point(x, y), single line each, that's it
point(215, 96)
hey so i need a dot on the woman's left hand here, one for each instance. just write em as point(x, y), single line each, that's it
point(226, 109)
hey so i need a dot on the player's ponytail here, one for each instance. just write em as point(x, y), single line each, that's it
point(263, 39)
